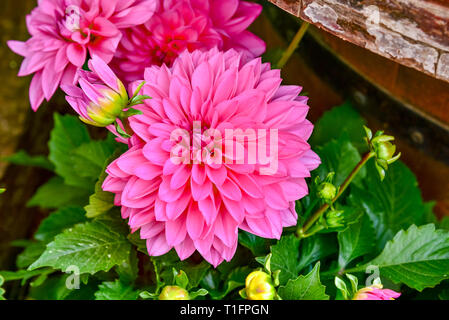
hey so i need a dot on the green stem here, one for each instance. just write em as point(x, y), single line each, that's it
point(302, 231)
point(293, 45)
point(333, 273)
point(158, 279)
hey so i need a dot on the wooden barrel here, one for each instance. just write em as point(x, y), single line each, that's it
point(390, 58)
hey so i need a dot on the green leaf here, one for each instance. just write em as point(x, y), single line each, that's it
point(194, 272)
point(116, 290)
point(23, 275)
point(55, 288)
point(2, 291)
point(101, 201)
point(180, 278)
point(129, 269)
point(31, 253)
point(339, 156)
point(273, 56)
point(444, 294)
point(89, 158)
point(198, 293)
point(356, 241)
point(340, 120)
point(285, 258)
point(418, 257)
point(68, 134)
point(235, 279)
point(24, 159)
point(55, 194)
point(92, 247)
point(58, 221)
point(315, 248)
point(306, 287)
point(391, 205)
point(258, 246)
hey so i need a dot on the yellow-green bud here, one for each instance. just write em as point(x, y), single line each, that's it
point(259, 286)
point(108, 107)
point(174, 293)
point(327, 191)
point(385, 150)
point(335, 218)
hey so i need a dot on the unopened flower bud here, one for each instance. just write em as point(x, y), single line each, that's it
point(102, 98)
point(259, 286)
point(327, 191)
point(174, 293)
point(385, 150)
point(335, 219)
point(108, 106)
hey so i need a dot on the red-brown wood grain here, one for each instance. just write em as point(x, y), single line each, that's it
point(414, 33)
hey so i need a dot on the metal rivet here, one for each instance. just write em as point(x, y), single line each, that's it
point(417, 137)
point(360, 98)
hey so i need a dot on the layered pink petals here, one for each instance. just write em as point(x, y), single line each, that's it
point(187, 24)
point(376, 292)
point(201, 206)
point(64, 32)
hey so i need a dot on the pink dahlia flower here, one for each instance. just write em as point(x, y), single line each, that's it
point(187, 24)
point(376, 292)
point(200, 204)
point(63, 32)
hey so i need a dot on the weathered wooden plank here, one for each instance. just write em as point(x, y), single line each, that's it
point(414, 33)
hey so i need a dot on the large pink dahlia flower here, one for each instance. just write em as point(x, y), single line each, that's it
point(200, 205)
point(187, 24)
point(63, 32)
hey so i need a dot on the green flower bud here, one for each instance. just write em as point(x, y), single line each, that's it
point(327, 191)
point(174, 293)
point(259, 286)
point(335, 219)
point(385, 150)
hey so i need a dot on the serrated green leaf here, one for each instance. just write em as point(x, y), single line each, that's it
point(58, 221)
point(31, 253)
point(24, 159)
point(356, 241)
point(235, 279)
point(116, 290)
point(92, 247)
point(129, 269)
point(391, 205)
point(101, 201)
point(194, 272)
point(418, 257)
point(258, 246)
point(340, 120)
point(89, 158)
point(55, 194)
point(306, 287)
point(23, 275)
point(198, 293)
point(339, 156)
point(67, 135)
point(315, 248)
point(285, 258)
point(55, 288)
